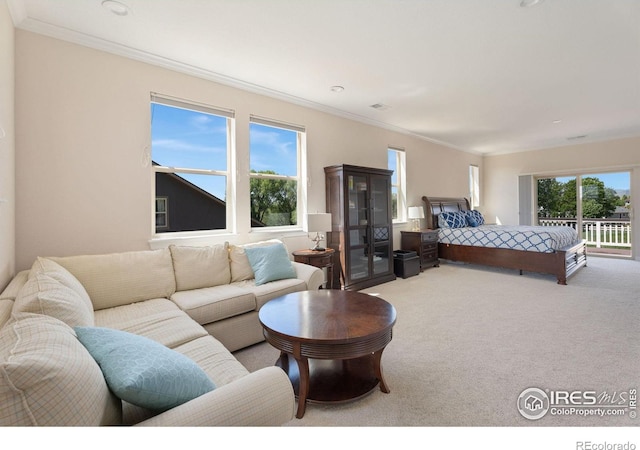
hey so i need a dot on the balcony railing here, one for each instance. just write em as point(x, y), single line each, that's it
point(599, 233)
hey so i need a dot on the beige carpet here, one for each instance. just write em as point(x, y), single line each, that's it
point(469, 339)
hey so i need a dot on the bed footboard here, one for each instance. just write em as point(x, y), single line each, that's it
point(561, 264)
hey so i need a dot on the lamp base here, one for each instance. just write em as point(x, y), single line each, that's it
point(317, 240)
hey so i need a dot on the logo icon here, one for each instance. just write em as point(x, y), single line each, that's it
point(533, 403)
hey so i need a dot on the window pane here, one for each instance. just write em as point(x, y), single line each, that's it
point(188, 139)
point(396, 162)
point(273, 202)
point(273, 150)
point(194, 202)
point(392, 164)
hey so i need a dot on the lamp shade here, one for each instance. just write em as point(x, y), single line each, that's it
point(318, 222)
point(416, 212)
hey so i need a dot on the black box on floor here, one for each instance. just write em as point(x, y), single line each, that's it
point(406, 263)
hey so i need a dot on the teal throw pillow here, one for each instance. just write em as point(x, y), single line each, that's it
point(270, 263)
point(143, 372)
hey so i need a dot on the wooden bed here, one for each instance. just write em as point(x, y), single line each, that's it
point(561, 263)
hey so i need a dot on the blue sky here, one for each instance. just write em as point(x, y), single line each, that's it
point(195, 140)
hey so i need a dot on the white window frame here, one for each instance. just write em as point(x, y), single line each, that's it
point(401, 183)
point(301, 169)
point(165, 212)
point(474, 186)
point(229, 173)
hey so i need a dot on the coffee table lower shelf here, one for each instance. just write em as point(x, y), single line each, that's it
point(333, 381)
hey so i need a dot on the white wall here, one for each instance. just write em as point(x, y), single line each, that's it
point(7, 148)
point(82, 121)
point(501, 173)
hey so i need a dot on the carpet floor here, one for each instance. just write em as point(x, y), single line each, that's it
point(470, 339)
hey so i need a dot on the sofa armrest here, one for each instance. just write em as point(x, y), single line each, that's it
point(261, 398)
point(313, 276)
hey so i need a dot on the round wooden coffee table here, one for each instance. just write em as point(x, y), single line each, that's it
point(336, 339)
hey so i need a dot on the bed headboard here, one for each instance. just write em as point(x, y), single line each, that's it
point(435, 205)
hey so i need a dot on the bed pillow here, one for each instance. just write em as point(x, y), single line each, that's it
point(455, 219)
point(474, 218)
point(270, 263)
point(142, 371)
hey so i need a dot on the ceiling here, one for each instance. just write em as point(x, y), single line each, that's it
point(484, 76)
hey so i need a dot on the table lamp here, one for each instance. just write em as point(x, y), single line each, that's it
point(416, 213)
point(318, 222)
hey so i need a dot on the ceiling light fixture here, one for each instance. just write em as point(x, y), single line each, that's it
point(117, 8)
point(529, 3)
point(557, 121)
point(337, 88)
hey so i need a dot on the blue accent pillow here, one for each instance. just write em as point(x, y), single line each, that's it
point(454, 219)
point(142, 371)
point(474, 218)
point(270, 263)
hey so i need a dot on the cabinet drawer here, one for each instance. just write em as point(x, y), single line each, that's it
point(429, 237)
point(429, 247)
point(321, 262)
point(429, 256)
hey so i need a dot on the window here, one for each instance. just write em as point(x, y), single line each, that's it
point(276, 154)
point(162, 221)
point(474, 186)
point(397, 163)
point(191, 152)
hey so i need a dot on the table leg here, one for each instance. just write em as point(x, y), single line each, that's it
point(303, 388)
point(377, 367)
point(283, 361)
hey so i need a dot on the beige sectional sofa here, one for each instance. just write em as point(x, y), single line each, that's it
point(198, 302)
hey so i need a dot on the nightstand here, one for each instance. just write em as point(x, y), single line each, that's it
point(424, 243)
point(317, 258)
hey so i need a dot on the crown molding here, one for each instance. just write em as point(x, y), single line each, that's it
point(23, 22)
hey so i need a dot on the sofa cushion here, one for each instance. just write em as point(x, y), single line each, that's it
point(142, 371)
point(215, 359)
point(6, 306)
point(200, 267)
point(45, 295)
point(123, 278)
point(14, 286)
point(158, 319)
point(269, 291)
point(59, 273)
point(216, 303)
point(47, 378)
point(270, 263)
point(239, 262)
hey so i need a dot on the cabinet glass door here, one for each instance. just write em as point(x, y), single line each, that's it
point(381, 225)
point(358, 201)
point(358, 223)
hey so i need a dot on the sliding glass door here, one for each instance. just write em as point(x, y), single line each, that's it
point(596, 204)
